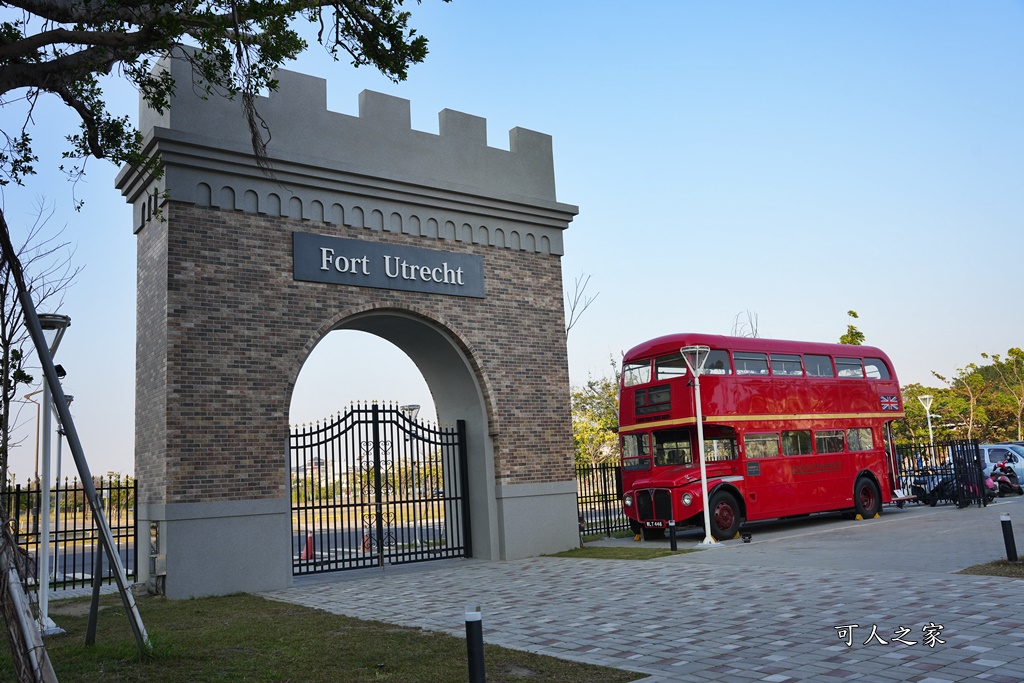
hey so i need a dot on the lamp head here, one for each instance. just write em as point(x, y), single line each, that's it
point(54, 321)
point(53, 325)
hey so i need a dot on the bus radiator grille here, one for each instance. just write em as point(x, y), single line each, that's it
point(658, 508)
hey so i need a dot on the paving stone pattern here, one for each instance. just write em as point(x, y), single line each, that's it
point(678, 619)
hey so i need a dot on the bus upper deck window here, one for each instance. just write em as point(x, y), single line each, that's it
point(636, 373)
point(850, 367)
point(668, 367)
point(818, 366)
point(786, 365)
point(750, 363)
point(717, 363)
point(876, 369)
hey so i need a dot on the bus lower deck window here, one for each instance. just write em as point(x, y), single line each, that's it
point(829, 441)
point(796, 442)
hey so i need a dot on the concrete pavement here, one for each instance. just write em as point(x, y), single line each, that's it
point(822, 599)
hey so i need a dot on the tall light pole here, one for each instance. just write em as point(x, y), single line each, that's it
point(695, 356)
point(57, 504)
point(34, 513)
point(926, 401)
point(53, 325)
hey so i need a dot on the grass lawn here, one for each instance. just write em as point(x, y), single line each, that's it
point(1012, 570)
point(247, 638)
point(619, 552)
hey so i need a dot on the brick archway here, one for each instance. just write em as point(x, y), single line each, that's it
point(446, 247)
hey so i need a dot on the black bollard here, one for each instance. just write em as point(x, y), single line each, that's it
point(475, 644)
point(1011, 547)
point(672, 534)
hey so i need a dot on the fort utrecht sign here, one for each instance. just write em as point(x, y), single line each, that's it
point(322, 258)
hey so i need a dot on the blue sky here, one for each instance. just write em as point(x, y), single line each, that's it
point(791, 159)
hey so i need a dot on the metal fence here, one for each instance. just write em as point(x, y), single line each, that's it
point(74, 537)
point(942, 473)
point(599, 499)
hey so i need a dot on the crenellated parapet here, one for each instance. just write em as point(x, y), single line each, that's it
point(366, 172)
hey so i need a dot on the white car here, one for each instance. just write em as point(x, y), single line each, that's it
point(1010, 453)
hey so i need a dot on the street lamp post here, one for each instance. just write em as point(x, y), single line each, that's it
point(54, 324)
point(57, 504)
point(695, 356)
point(34, 512)
point(926, 401)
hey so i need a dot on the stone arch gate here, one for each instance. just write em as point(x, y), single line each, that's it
point(446, 247)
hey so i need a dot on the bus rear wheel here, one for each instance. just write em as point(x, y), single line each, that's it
point(725, 515)
point(867, 499)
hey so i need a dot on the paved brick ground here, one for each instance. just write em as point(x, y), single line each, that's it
point(772, 610)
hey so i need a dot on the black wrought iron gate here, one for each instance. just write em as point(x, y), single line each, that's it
point(376, 486)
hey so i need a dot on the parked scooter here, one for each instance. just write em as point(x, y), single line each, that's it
point(930, 488)
point(1006, 479)
point(991, 488)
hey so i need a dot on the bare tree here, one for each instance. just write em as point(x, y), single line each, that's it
point(577, 302)
point(747, 328)
point(47, 262)
point(51, 273)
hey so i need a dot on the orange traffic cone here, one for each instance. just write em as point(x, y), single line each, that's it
point(307, 552)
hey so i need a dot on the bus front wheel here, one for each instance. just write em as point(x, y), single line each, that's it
point(725, 515)
point(867, 500)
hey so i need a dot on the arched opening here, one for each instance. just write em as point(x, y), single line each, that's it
point(419, 484)
point(350, 365)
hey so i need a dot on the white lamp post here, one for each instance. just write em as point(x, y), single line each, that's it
point(926, 401)
point(695, 357)
point(53, 325)
point(57, 504)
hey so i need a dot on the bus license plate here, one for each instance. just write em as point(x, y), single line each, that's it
point(655, 525)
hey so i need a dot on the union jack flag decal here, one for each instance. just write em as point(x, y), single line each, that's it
point(890, 402)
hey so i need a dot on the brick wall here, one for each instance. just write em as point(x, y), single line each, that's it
point(238, 328)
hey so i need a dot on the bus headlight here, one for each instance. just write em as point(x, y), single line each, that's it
point(627, 500)
point(687, 499)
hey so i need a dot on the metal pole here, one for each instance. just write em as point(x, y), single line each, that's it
point(696, 366)
point(708, 538)
point(672, 535)
point(1011, 546)
point(46, 624)
point(926, 402)
point(475, 644)
point(57, 505)
point(33, 512)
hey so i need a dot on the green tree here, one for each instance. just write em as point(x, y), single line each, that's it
point(1010, 374)
point(962, 400)
point(63, 49)
point(595, 421)
point(853, 336)
point(914, 426)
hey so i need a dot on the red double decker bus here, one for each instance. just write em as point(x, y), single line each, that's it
point(789, 428)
